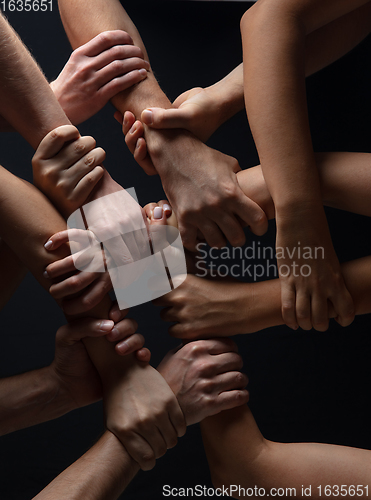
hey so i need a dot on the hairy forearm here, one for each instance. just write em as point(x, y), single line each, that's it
point(31, 398)
point(103, 473)
point(241, 456)
point(27, 102)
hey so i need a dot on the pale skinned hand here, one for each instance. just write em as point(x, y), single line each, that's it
point(143, 413)
point(91, 286)
point(72, 366)
point(207, 199)
point(311, 281)
point(205, 377)
point(204, 307)
point(96, 72)
point(67, 167)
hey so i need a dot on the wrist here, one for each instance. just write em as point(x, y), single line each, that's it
point(59, 393)
point(228, 98)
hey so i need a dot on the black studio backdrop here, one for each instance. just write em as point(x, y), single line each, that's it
point(304, 386)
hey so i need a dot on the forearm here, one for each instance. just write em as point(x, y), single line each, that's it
point(27, 102)
point(344, 179)
point(103, 473)
point(31, 398)
point(102, 15)
point(239, 455)
point(27, 221)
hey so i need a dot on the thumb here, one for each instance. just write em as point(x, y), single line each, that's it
point(165, 118)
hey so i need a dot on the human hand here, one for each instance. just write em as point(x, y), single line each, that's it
point(72, 367)
point(194, 110)
point(91, 287)
point(205, 377)
point(67, 167)
point(143, 413)
point(309, 271)
point(96, 72)
point(204, 307)
point(207, 200)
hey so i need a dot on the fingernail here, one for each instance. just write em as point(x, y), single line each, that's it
point(167, 207)
point(143, 73)
point(106, 325)
point(48, 245)
point(123, 346)
point(147, 116)
point(158, 213)
point(114, 333)
point(116, 315)
point(46, 275)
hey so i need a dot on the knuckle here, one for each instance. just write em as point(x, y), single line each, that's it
point(87, 303)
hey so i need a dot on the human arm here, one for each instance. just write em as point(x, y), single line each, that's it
point(204, 307)
point(202, 111)
point(196, 193)
point(69, 382)
point(274, 35)
point(103, 472)
point(97, 71)
point(205, 378)
point(238, 454)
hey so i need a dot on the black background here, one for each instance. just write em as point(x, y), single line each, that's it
point(304, 386)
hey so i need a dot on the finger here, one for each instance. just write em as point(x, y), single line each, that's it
point(231, 229)
point(90, 298)
point(179, 331)
point(230, 399)
point(288, 301)
point(188, 234)
point(131, 344)
point(230, 381)
point(220, 346)
point(54, 141)
point(141, 156)
point(166, 207)
point(148, 209)
point(79, 329)
point(166, 118)
point(104, 41)
point(128, 122)
point(73, 152)
point(86, 185)
point(212, 234)
point(177, 418)
point(86, 164)
point(143, 355)
point(139, 450)
point(116, 314)
point(60, 267)
point(132, 136)
point(251, 213)
point(121, 83)
point(320, 314)
point(168, 432)
point(344, 306)
point(123, 330)
point(226, 362)
point(156, 441)
point(303, 311)
point(117, 55)
point(58, 239)
point(72, 285)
